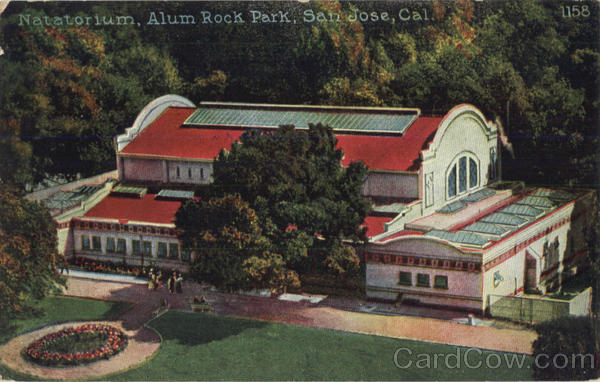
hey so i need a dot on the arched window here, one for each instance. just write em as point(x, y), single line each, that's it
point(462, 176)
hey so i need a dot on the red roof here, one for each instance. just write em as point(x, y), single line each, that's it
point(165, 136)
point(375, 224)
point(146, 209)
point(390, 153)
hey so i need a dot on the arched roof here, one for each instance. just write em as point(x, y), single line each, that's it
point(149, 113)
point(488, 127)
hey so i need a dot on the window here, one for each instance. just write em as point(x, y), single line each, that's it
point(96, 244)
point(178, 172)
point(147, 248)
point(202, 173)
point(472, 173)
point(422, 280)
point(110, 244)
point(162, 250)
point(463, 175)
point(440, 282)
point(452, 182)
point(405, 278)
point(185, 254)
point(121, 246)
point(189, 172)
point(173, 250)
point(85, 242)
point(136, 247)
point(493, 163)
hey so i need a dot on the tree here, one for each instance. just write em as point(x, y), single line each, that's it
point(566, 341)
point(305, 200)
point(28, 254)
point(230, 250)
point(69, 90)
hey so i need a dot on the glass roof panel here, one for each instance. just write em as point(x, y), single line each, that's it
point(554, 194)
point(487, 228)
point(504, 218)
point(478, 195)
point(522, 209)
point(344, 120)
point(176, 194)
point(451, 208)
point(537, 201)
point(129, 190)
point(460, 237)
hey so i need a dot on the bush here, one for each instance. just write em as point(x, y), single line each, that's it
point(572, 341)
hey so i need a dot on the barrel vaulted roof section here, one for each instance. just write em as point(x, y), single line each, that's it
point(367, 120)
point(489, 128)
point(148, 114)
point(169, 136)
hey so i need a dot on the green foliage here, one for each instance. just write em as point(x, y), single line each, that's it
point(566, 337)
point(302, 195)
point(72, 90)
point(28, 255)
point(230, 250)
point(521, 61)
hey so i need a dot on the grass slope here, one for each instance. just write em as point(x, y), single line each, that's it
point(207, 347)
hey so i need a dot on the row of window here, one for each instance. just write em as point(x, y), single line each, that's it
point(124, 228)
point(423, 280)
point(463, 176)
point(178, 171)
point(138, 247)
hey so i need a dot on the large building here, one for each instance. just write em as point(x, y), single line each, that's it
point(444, 230)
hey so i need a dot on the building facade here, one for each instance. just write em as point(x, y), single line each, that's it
point(444, 229)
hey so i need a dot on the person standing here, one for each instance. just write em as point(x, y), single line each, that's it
point(157, 283)
point(178, 283)
point(151, 279)
point(171, 283)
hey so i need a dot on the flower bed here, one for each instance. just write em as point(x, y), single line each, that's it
point(76, 345)
point(107, 267)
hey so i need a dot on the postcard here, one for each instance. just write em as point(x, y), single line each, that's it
point(299, 190)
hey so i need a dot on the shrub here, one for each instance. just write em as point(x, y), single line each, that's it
point(566, 349)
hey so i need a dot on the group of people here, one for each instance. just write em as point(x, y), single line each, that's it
point(174, 283)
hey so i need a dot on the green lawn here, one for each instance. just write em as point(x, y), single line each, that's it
point(207, 347)
point(60, 309)
point(200, 346)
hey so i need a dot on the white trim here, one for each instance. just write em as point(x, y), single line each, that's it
point(488, 127)
point(148, 114)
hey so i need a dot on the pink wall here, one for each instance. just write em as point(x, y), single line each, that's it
point(465, 284)
point(142, 169)
point(391, 185)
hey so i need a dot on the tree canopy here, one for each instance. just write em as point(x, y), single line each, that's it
point(524, 61)
point(231, 251)
point(296, 183)
point(28, 254)
point(295, 209)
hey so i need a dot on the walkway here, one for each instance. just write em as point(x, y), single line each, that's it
point(511, 339)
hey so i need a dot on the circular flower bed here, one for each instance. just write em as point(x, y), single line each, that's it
point(76, 345)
